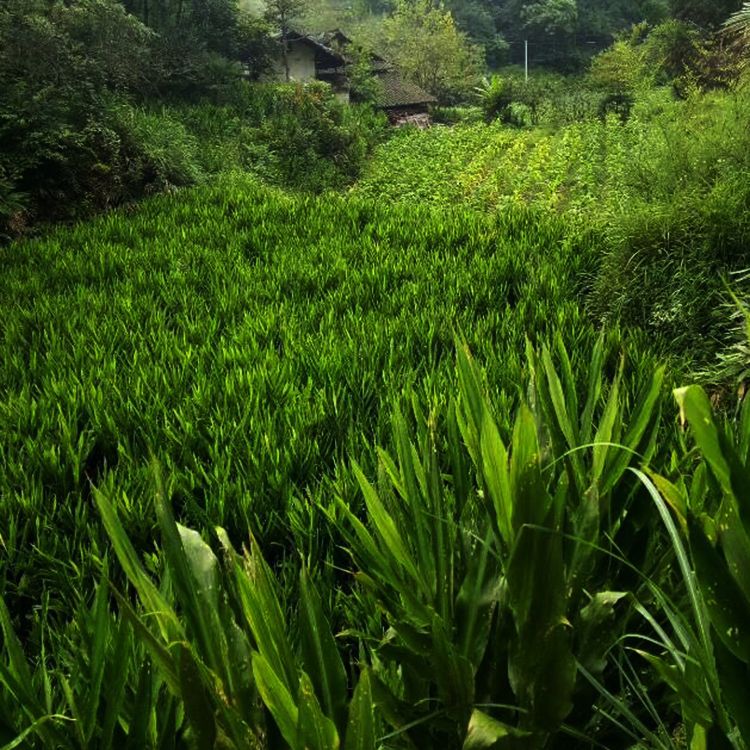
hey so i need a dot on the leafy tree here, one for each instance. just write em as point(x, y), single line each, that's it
point(364, 84)
point(552, 17)
point(205, 24)
point(565, 33)
point(281, 14)
point(477, 20)
point(622, 69)
point(59, 67)
point(708, 15)
point(422, 39)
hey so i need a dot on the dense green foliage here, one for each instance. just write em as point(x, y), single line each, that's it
point(82, 128)
point(273, 320)
point(666, 194)
point(427, 46)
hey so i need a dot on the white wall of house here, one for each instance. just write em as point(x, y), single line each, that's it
point(301, 58)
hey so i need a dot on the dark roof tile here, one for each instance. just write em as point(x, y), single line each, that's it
point(398, 92)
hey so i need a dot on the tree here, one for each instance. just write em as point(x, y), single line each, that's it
point(281, 14)
point(422, 39)
point(708, 15)
point(552, 17)
point(475, 18)
point(565, 33)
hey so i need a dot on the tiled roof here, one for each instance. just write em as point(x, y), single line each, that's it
point(397, 92)
point(325, 56)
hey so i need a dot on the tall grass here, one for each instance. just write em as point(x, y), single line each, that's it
point(250, 341)
point(256, 492)
point(486, 558)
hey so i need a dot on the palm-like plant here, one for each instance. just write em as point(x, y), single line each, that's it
point(738, 26)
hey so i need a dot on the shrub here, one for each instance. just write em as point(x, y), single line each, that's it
point(156, 150)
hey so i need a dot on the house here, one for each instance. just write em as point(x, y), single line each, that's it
point(326, 58)
point(308, 59)
point(403, 101)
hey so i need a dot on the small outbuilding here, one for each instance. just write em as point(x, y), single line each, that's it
point(404, 102)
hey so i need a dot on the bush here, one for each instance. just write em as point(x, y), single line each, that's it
point(316, 141)
point(456, 115)
point(82, 128)
point(157, 151)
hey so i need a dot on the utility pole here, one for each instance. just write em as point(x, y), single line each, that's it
point(526, 58)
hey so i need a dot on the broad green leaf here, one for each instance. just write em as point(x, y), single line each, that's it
point(673, 496)
point(115, 689)
point(727, 607)
point(542, 670)
point(414, 484)
point(699, 739)
point(557, 397)
point(101, 629)
point(314, 730)
point(497, 478)
point(396, 712)
point(459, 464)
point(153, 644)
point(688, 574)
point(471, 389)
point(694, 706)
point(594, 632)
point(593, 392)
point(277, 699)
point(735, 543)
point(696, 409)
point(567, 378)
point(452, 671)
point(486, 733)
point(142, 709)
point(360, 730)
point(530, 498)
point(194, 573)
point(198, 708)
point(78, 725)
point(262, 611)
point(442, 531)
point(735, 687)
point(386, 527)
point(603, 436)
point(638, 424)
point(744, 431)
point(476, 603)
point(320, 654)
point(152, 600)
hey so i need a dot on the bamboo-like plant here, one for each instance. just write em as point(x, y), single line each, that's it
point(485, 573)
point(228, 653)
point(707, 660)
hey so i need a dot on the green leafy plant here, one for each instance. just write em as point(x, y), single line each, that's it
point(708, 663)
point(481, 571)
